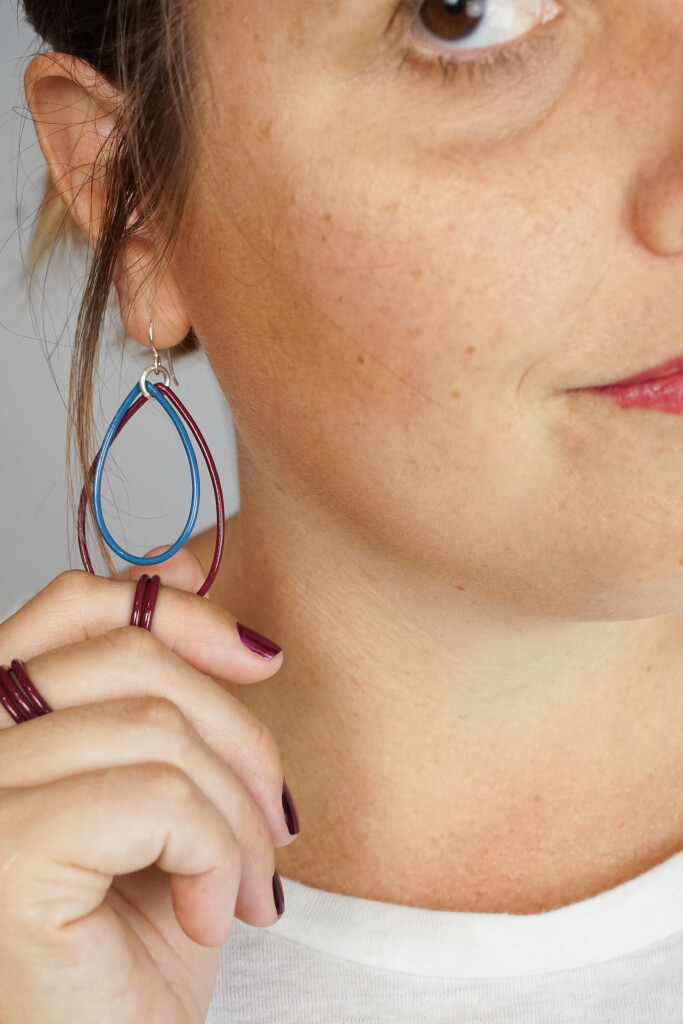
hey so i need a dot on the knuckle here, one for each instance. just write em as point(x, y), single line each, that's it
point(70, 586)
point(160, 713)
point(263, 838)
point(132, 641)
point(266, 751)
point(230, 851)
point(168, 783)
point(254, 823)
point(266, 759)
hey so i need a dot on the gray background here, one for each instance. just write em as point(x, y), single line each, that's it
point(146, 494)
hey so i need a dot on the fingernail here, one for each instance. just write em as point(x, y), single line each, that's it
point(257, 643)
point(278, 895)
point(288, 807)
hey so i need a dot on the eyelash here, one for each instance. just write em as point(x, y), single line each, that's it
point(477, 69)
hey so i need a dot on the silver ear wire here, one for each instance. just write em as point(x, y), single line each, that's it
point(170, 366)
point(157, 359)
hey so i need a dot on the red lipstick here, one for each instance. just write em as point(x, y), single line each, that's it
point(660, 388)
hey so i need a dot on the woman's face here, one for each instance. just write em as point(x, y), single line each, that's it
point(401, 271)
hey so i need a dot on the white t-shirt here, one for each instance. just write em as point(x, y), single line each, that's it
point(616, 958)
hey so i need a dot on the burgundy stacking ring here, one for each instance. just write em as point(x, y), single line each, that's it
point(145, 599)
point(18, 694)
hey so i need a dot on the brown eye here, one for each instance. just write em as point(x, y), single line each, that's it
point(452, 19)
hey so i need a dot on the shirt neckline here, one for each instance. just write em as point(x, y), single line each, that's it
point(443, 943)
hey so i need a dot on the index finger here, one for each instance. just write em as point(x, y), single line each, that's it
point(78, 605)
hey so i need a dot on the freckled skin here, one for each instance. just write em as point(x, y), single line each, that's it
point(452, 267)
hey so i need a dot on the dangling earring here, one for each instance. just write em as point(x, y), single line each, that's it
point(141, 392)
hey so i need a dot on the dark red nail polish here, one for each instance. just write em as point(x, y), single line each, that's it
point(278, 895)
point(288, 807)
point(257, 643)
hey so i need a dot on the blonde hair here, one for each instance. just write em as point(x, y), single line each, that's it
point(50, 223)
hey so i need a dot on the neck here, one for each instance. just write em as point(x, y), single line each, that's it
point(443, 751)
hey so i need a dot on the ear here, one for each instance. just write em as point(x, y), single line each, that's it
point(74, 110)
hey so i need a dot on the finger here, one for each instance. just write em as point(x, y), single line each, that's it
point(65, 841)
point(78, 605)
point(137, 731)
point(182, 570)
point(131, 663)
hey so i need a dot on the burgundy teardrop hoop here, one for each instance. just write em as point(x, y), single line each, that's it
point(217, 490)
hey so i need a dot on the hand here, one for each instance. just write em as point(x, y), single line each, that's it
point(139, 817)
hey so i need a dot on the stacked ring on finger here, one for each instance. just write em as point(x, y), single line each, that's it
point(145, 599)
point(18, 694)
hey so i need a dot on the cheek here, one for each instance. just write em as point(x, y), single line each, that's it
point(386, 321)
point(393, 375)
point(329, 230)
point(453, 298)
point(348, 329)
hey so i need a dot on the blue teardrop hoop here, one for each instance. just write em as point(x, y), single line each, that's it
point(133, 394)
point(138, 396)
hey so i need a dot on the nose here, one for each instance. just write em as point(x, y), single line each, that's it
point(659, 207)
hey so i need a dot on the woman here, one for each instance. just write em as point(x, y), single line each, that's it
point(419, 242)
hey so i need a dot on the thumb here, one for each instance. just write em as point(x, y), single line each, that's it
point(182, 570)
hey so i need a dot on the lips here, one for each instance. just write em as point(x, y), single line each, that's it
point(668, 369)
point(659, 388)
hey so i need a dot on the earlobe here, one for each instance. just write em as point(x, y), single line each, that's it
point(144, 295)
